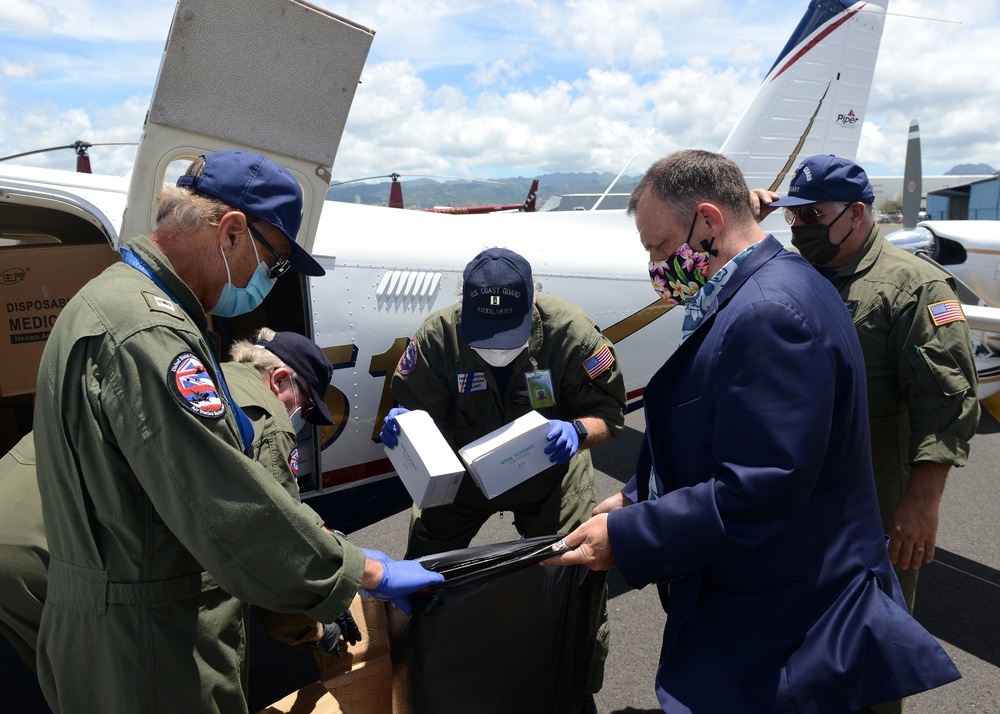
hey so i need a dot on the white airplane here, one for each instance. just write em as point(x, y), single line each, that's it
point(387, 270)
point(970, 252)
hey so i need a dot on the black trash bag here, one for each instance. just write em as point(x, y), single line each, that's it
point(501, 634)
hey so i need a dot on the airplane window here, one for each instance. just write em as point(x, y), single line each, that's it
point(17, 238)
point(174, 169)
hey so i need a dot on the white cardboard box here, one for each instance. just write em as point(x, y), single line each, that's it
point(424, 461)
point(508, 456)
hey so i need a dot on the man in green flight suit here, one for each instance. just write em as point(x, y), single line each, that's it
point(158, 522)
point(269, 392)
point(480, 364)
point(923, 405)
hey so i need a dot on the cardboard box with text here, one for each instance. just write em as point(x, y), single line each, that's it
point(35, 285)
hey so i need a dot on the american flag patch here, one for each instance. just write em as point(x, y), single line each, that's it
point(599, 361)
point(947, 311)
point(293, 464)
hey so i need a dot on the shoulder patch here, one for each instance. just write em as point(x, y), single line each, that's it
point(598, 363)
point(158, 303)
point(293, 464)
point(408, 360)
point(193, 387)
point(946, 311)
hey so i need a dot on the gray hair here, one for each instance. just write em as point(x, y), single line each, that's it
point(686, 178)
point(258, 355)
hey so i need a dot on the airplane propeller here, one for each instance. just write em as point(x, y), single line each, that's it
point(396, 191)
point(81, 147)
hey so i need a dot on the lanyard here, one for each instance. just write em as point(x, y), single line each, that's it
point(242, 421)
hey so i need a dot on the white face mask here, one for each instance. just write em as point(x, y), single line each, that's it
point(500, 358)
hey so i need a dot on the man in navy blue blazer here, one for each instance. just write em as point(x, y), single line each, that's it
point(753, 504)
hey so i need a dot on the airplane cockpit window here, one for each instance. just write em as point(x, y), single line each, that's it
point(23, 226)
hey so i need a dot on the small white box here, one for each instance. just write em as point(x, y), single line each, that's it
point(425, 463)
point(508, 456)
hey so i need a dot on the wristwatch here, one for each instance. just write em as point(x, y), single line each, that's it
point(581, 431)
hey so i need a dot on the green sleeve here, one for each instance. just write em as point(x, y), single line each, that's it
point(937, 377)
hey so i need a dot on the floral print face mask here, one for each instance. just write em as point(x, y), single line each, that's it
point(684, 273)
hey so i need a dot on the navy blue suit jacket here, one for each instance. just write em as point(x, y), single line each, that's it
point(768, 536)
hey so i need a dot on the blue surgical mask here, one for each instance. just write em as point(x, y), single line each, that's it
point(297, 421)
point(238, 301)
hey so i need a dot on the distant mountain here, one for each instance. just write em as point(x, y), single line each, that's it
point(970, 170)
point(426, 193)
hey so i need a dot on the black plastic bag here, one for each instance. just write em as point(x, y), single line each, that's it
point(501, 634)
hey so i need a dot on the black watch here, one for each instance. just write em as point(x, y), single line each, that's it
point(581, 431)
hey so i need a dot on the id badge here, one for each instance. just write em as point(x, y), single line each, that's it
point(540, 388)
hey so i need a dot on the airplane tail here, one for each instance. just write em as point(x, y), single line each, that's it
point(813, 100)
point(912, 175)
point(529, 202)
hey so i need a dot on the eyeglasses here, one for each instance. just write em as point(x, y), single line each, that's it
point(807, 215)
point(282, 266)
point(309, 412)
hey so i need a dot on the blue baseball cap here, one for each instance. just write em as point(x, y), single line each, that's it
point(260, 188)
point(497, 296)
point(826, 177)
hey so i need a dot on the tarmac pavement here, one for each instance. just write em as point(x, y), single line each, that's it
point(958, 600)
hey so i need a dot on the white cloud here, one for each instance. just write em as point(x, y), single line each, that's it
point(520, 86)
point(20, 70)
point(26, 16)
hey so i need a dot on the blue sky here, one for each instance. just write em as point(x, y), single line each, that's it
point(496, 88)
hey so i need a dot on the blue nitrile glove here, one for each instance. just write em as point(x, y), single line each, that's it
point(565, 441)
point(390, 429)
point(400, 578)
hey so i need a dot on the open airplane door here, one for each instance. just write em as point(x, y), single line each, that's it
point(274, 76)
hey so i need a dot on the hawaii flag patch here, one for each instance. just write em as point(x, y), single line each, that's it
point(193, 387)
point(947, 311)
point(598, 362)
point(408, 360)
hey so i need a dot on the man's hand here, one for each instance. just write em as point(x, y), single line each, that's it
point(760, 203)
point(611, 503)
point(913, 529)
point(400, 578)
point(564, 441)
point(390, 429)
point(328, 643)
point(590, 544)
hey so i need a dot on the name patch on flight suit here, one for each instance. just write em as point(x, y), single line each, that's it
point(193, 387)
point(408, 360)
point(469, 382)
point(158, 303)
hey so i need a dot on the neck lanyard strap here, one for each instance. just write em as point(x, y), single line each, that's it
point(242, 420)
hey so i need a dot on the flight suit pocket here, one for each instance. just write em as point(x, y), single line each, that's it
point(937, 368)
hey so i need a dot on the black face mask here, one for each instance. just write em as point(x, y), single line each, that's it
point(813, 242)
